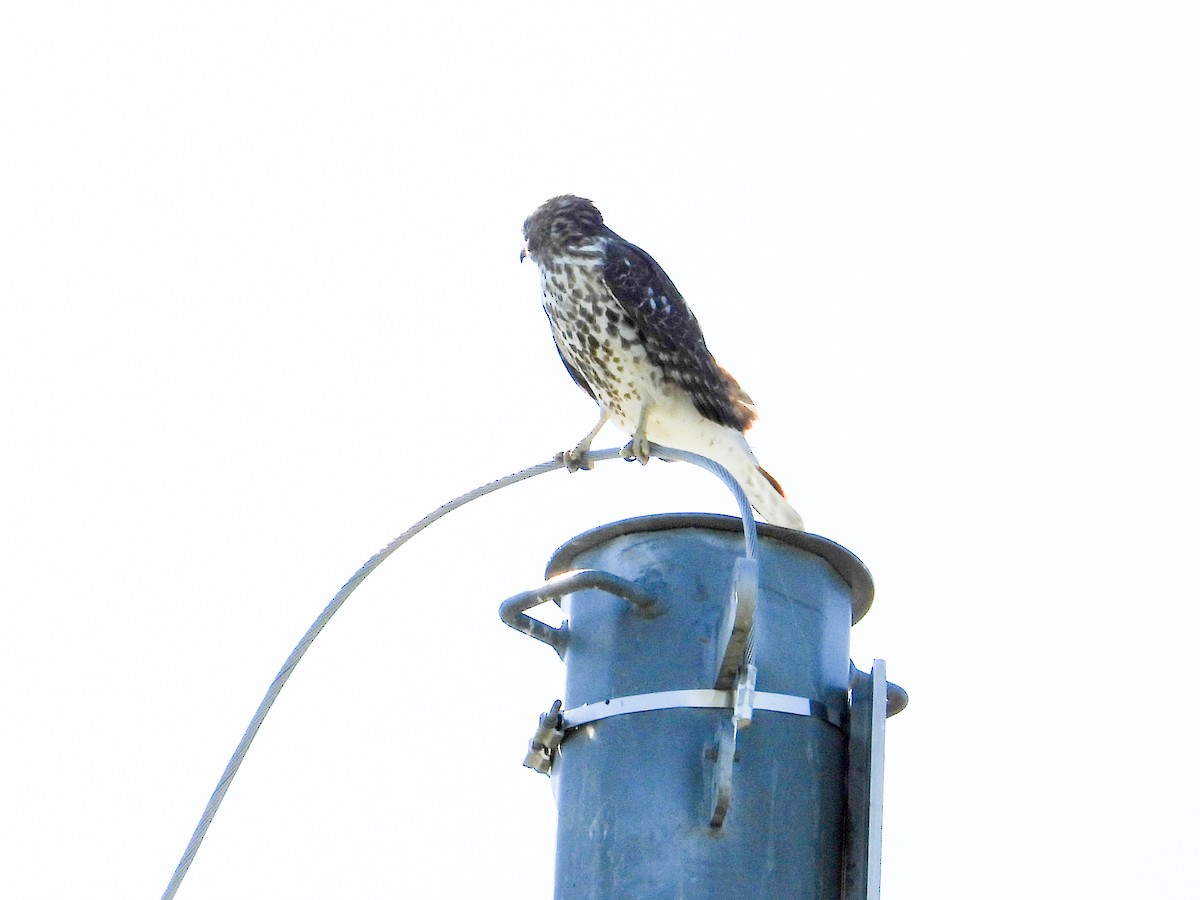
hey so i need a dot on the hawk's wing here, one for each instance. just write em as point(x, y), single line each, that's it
point(671, 334)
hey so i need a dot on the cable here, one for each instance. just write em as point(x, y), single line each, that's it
point(371, 565)
point(749, 526)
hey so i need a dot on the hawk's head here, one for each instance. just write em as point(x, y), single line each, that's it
point(561, 225)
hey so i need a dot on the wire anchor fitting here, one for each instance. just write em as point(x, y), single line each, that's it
point(736, 634)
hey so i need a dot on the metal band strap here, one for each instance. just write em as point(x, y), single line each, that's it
point(696, 699)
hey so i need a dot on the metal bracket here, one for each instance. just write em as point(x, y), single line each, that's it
point(512, 610)
point(873, 699)
point(721, 783)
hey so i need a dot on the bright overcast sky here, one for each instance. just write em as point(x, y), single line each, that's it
point(262, 310)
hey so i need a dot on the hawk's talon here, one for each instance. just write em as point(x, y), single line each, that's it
point(576, 459)
point(639, 449)
point(639, 446)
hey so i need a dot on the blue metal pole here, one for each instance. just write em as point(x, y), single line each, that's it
point(636, 775)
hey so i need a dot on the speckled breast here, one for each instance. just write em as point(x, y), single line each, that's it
point(598, 339)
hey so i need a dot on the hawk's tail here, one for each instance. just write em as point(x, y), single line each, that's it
point(729, 448)
point(767, 497)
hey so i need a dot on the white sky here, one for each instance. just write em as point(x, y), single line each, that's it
point(262, 310)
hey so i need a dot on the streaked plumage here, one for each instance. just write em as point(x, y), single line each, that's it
point(628, 338)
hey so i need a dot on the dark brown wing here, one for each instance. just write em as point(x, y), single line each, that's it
point(671, 334)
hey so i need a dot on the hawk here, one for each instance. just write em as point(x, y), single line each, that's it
point(629, 340)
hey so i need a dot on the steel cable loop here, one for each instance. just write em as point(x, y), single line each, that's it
point(239, 754)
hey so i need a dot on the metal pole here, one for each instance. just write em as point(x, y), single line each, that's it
point(677, 773)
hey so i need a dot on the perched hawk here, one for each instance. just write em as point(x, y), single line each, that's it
point(628, 339)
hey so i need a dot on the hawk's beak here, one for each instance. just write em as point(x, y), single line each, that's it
point(524, 252)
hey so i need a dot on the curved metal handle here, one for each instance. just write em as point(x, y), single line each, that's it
point(512, 610)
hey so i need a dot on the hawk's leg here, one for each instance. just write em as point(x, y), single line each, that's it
point(639, 447)
point(576, 459)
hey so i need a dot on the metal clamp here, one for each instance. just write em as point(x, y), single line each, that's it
point(697, 699)
point(546, 740)
point(512, 610)
point(741, 702)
